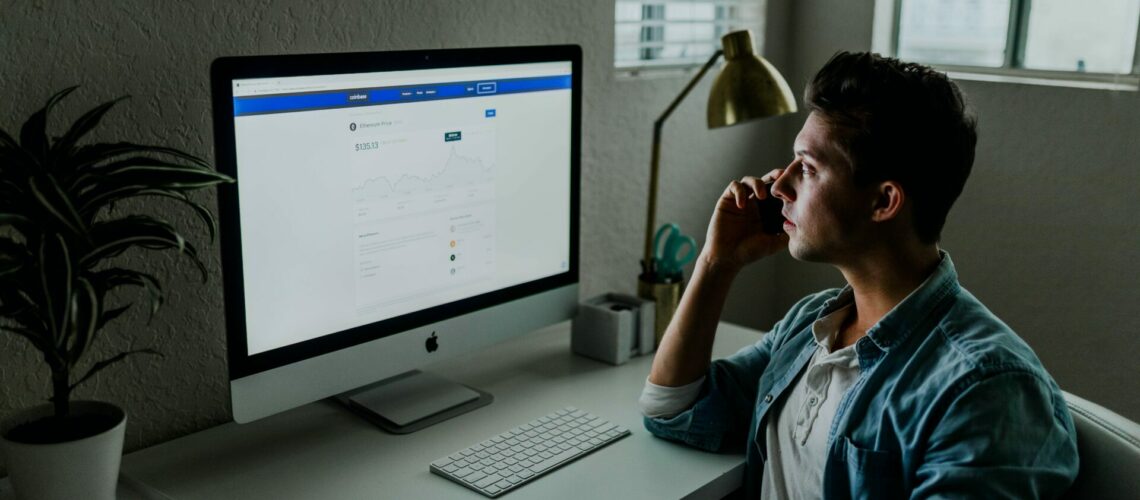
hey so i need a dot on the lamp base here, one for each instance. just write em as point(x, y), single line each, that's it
point(665, 297)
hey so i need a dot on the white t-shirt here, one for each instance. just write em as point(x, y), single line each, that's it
point(797, 436)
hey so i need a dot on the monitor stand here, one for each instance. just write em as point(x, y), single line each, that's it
point(412, 401)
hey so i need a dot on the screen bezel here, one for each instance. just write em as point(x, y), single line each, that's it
point(222, 73)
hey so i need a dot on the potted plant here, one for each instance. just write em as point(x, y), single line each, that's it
point(62, 223)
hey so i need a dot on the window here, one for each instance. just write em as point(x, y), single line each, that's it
point(679, 33)
point(1086, 40)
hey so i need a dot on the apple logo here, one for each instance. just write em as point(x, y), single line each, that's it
point(432, 343)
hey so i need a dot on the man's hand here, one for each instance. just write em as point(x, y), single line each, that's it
point(735, 237)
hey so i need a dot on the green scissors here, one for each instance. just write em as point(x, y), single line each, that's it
point(668, 263)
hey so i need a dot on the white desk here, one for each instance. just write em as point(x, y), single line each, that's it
point(322, 450)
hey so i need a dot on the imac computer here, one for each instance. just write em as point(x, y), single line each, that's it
point(391, 210)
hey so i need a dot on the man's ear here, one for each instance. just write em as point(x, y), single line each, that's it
point(889, 200)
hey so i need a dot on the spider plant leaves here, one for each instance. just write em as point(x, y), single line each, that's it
point(93, 155)
point(56, 280)
point(64, 145)
point(113, 237)
point(33, 135)
point(21, 223)
point(57, 232)
point(86, 310)
point(113, 278)
point(100, 366)
point(203, 213)
point(125, 178)
point(13, 257)
point(109, 315)
point(56, 203)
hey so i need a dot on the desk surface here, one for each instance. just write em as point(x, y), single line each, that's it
point(321, 450)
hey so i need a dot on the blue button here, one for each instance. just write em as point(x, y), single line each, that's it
point(490, 113)
point(485, 88)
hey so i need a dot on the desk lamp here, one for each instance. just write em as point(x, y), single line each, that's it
point(747, 88)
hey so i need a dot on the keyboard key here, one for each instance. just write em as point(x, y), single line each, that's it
point(552, 461)
point(488, 481)
point(463, 473)
point(475, 477)
point(492, 489)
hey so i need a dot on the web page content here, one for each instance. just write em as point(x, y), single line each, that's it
point(356, 214)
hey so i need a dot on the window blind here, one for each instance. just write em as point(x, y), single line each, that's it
point(671, 33)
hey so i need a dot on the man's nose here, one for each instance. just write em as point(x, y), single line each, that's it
point(782, 187)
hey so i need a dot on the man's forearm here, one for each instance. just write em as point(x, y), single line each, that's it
point(686, 349)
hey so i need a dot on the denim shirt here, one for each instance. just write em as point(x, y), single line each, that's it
point(949, 402)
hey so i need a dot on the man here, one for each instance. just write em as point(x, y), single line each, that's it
point(901, 384)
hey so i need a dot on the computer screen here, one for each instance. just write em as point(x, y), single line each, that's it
point(391, 194)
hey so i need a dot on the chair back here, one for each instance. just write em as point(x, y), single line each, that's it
point(1109, 447)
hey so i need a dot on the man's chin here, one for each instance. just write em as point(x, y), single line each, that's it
point(805, 253)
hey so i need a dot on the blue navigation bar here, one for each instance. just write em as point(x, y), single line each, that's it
point(253, 105)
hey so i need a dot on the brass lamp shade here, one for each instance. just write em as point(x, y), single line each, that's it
point(748, 87)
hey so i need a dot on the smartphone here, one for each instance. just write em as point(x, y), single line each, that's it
point(771, 216)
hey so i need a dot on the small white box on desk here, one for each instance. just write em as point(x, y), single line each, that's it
point(613, 328)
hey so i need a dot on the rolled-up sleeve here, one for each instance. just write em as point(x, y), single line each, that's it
point(719, 418)
point(1005, 435)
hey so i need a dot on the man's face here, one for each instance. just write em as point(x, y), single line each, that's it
point(829, 218)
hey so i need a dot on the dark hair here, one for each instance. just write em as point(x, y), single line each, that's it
point(899, 121)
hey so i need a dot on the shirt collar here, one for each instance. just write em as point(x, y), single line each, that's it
point(897, 325)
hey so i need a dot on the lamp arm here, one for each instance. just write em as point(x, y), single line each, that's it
point(655, 161)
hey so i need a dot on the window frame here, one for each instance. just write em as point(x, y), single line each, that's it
point(671, 67)
point(885, 40)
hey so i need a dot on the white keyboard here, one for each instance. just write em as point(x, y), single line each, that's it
point(518, 456)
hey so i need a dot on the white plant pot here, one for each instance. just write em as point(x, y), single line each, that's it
point(84, 468)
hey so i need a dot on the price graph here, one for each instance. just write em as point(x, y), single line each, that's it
point(457, 171)
point(410, 172)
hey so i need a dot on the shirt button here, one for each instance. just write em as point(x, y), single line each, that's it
point(812, 401)
point(768, 398)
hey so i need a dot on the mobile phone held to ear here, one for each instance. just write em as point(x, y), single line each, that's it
point(771, 216)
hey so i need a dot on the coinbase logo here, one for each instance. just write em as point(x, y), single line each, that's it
point(352, 126)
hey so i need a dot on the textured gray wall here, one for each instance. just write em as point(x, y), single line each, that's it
point(160, 52)
point(1045, 233)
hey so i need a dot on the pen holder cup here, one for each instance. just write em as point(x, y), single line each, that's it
point(665, 297)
